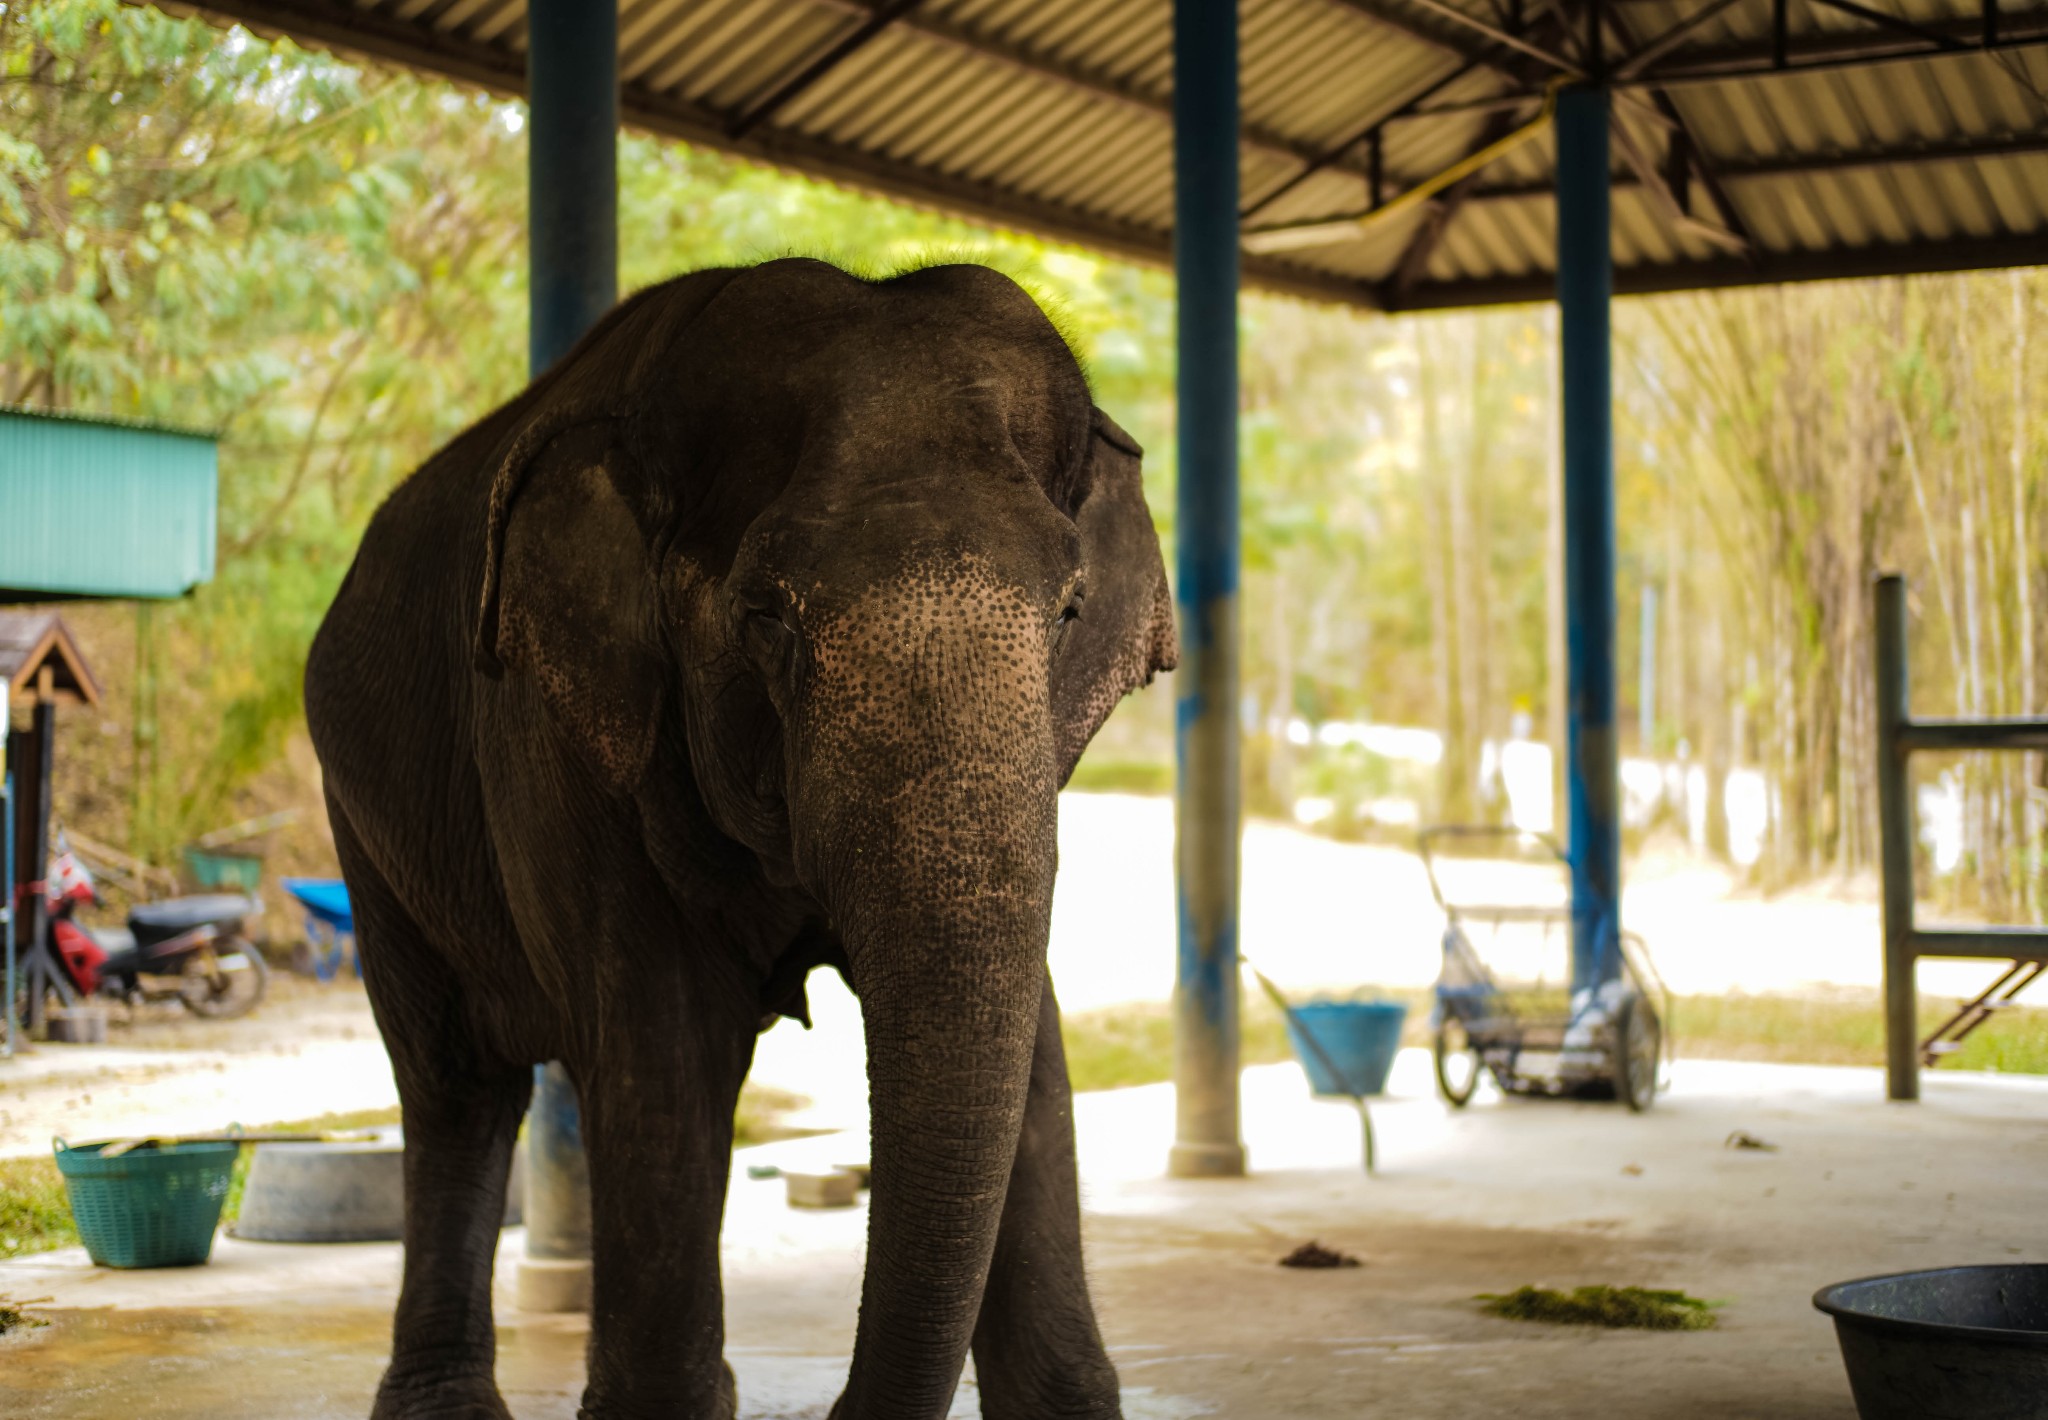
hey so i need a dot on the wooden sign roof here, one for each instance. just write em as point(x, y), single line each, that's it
point(30, 642)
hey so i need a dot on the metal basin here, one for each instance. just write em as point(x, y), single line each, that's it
point(1957, 1343)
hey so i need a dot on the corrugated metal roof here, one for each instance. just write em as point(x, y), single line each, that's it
point(99, 508)
point(1887, 137)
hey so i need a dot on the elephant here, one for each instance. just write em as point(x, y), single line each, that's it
point(758, 634)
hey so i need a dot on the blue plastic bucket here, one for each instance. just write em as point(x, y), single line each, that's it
point(1358, 1038)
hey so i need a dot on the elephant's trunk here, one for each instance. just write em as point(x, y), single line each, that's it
point(927, 811)
point(950, 1023)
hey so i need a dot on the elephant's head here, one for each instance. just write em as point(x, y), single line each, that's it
point(862, 560)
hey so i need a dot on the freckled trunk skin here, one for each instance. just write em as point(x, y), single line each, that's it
point(928, 814)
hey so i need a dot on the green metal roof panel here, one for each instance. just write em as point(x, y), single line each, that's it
point(103, 508)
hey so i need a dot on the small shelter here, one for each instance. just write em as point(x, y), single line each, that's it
point(42, 665)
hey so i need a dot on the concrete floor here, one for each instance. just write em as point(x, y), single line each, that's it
point(1200, 1319)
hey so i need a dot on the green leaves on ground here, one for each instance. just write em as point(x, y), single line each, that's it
point(1630, 1308)
point(14, 1316)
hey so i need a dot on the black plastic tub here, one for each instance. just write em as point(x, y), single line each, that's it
point(1957, 1343)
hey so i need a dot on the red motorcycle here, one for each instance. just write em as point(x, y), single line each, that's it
point(186, 949)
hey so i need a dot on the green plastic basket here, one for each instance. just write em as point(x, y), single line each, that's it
point(218, 872)
point(155, 1206)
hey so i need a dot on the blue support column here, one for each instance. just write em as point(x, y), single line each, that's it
point(1585, 288)
point(573, 275)
point(1205, 125)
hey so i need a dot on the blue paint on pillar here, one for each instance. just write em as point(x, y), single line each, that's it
point(1205, 123)
point(1585, 290)
point(572, 187)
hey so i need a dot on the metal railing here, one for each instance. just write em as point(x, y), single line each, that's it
point(1905, 942)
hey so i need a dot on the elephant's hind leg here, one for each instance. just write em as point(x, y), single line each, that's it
point(461, 1120)
point(1038, 1353)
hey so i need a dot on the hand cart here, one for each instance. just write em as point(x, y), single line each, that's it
point(1504, 1004)
point(330, 923)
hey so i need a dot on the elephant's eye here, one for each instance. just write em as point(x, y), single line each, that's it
point(769, 637)
point(1069, 614)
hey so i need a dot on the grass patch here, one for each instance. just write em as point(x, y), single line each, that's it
point(1103, 775)
point(35, 1215)
point(1133, 1045)
point(1847, 1031)
point(1630, 1308)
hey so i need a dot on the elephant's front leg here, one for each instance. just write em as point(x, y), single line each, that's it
point(657, 1122)
point(1037, 1350)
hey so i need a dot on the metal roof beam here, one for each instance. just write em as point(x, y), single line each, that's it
point(2013, 146)
point(1454, 40)
point(1810, 53)
point(842, 50)
point(964, 197)
point(1687, 157)
point(953, 35)
point(504, 72)
point(1413, 263)
point(1840, 264)
point(1894, 22)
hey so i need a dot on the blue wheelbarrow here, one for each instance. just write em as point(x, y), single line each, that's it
point(1346, 1048)
point(330, 923)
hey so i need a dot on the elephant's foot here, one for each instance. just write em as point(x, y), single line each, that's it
point(457, 1398)
point(1066, 1402)
point(722, 1404)
point(1083, 1388)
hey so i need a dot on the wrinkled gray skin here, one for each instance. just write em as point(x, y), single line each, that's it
point(759, 634)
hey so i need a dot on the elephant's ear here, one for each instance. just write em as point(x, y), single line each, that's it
point(567, 591)
point(576, 603)
point(1125, 632)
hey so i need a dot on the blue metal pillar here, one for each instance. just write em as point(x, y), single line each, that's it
point(573, 279)
point(1585, 288)
point(1205, 257)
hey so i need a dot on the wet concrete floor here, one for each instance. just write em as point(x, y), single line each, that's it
point(1199, 1318)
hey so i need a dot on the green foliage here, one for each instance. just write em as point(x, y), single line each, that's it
point(1632, 1308)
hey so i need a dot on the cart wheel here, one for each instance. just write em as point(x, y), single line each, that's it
point(1457, 1063)
point(1638, 1049)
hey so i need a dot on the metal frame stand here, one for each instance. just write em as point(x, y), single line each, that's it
point(1905, 943)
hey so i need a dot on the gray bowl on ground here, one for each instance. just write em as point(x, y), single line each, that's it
point(341, 1191)
point(1955, 1343)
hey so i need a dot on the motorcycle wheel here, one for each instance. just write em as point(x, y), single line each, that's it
point(233, 988)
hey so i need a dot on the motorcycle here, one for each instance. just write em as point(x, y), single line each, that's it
point(186, 949)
